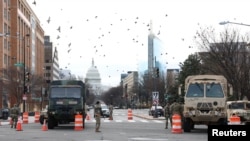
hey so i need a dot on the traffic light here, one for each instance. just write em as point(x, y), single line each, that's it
point(25, 89)
point(27, 77)
point(157, 72)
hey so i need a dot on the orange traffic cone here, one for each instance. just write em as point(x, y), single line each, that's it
point(130, 115)
point(176, 124)
point(78, 122)
point(19, 125)
point(44, 127)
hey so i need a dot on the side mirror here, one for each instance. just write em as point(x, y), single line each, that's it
point(230, 90)
point(179, 89)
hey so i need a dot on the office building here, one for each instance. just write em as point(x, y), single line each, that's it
point(21, 46)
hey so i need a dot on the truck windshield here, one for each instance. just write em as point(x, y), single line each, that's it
point(65, 92)
point(195, 90)
point(236, 106)
point(214, 90)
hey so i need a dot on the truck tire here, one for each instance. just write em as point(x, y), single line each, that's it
point(223, 121)
point(192, 126)
point(187, 125)
point(51, 123)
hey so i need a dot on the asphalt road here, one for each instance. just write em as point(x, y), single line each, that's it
point(141, 128)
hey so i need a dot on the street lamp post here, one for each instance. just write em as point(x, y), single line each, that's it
point(24, 73)
point(228, 22)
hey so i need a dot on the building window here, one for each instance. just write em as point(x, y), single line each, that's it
point(5, 13)
point(8, 44)
point(5, 28)
point(5, 44)
point(5, 59)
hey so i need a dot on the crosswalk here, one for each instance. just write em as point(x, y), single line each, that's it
point(122, 117)
point(110, 121)
point(127, 121)
point(118, 117)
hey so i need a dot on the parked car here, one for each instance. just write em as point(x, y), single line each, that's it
point(4, 113)
point(31, 113)
point(159, 110)
point(105, 110)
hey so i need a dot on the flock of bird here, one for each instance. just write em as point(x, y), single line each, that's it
point(97, 46)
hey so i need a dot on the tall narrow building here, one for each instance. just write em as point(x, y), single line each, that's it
point(51, 65)
point(156, 54)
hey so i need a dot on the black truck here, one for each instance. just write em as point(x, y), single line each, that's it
point(66, 98)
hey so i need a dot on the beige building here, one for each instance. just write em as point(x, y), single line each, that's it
point(130, 87)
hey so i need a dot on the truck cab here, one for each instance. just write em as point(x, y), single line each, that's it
point(205, 100)
point(240, 108)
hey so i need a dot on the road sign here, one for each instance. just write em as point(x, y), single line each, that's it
point(18, 64)
point(24, 97)
point(155, 97)
point(36, 98)
point(155, 102)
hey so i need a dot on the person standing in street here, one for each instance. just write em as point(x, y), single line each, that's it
point(167, 114)
point(98, 113)
point(176, 108)
point(111, 112)
point(14, 113)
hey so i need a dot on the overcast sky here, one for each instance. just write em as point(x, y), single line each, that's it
point(114, 32)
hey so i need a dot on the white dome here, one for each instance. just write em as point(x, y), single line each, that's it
point(93, 73)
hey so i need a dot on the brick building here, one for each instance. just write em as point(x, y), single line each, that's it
point(21, 48)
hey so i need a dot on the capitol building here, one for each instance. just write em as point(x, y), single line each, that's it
point(93, 80)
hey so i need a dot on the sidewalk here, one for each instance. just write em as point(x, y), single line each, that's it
point(4, 122)
point(31, 119)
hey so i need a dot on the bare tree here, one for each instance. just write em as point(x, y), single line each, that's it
point(226, 53)
point(12, 82)
point(37, 96)
point(113, 96)
point(90, 96)
point(170, 80)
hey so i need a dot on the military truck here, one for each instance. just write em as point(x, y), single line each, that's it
point(205, 100)
point(240, 108)
point(66, 98)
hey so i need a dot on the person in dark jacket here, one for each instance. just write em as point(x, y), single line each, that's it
point(14, 113)
point(176, 108)
point(167, 114)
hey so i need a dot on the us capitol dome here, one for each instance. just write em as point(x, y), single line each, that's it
point(93, 79)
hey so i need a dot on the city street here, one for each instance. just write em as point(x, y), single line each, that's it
point(141, 128)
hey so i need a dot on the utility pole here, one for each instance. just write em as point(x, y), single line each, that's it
point(25, 88)
point(155, 93)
